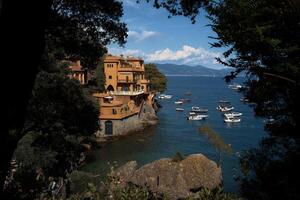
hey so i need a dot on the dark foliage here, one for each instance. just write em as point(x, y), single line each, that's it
point(158, 80)
point(59, 104)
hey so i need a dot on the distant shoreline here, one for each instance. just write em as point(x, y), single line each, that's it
point(191, 75)
point(197, 75)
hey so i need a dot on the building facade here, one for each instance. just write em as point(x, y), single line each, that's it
point(125, 74)
point(77, 72)
point(127, 102)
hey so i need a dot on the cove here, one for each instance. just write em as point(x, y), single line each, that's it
point(174, 133)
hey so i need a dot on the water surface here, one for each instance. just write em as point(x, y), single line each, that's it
point(176, 134)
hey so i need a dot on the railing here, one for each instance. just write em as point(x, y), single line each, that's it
point(126, 92)
point(125, 81)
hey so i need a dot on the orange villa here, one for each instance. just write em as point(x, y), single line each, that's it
point(127, 105)
point(77, 72)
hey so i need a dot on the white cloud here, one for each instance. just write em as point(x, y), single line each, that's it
point(186, 55)
point(140, 36)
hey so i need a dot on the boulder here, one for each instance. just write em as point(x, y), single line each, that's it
point(176, 179)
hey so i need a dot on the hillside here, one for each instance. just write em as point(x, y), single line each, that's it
point(187, 70)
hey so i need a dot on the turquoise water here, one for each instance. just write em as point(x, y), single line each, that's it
point(176, 134)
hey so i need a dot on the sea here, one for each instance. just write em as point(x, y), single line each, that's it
point(174, 133)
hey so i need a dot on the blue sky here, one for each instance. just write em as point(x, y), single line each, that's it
point(159, 39)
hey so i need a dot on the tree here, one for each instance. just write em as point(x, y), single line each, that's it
point(216, 141)
point(70, 27)
point(262, 38)
point(100, 76)
point(158, 81)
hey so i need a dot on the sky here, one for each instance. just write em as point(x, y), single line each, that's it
point(159, 39)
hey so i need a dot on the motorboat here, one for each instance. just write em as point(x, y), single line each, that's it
point(194, 117)
point(179, 109)
point(185, 100)
point(244, 99)
point(224, 101)
point(178, 102)
point(224, 108)
point(165, 96)
point(235, 86)
point(233, 114)
point(232, 120)
point(201, 115)
point(198, 109)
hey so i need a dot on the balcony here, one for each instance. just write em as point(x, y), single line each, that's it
point(129, 93)
point(130, 69)
point(143, 81)
point(125, 81)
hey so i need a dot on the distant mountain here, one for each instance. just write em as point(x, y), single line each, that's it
point(187, 70)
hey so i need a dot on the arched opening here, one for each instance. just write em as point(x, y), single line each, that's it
point(108, 128)
point(110, 88)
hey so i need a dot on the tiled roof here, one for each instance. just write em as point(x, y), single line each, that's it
point(76, 68)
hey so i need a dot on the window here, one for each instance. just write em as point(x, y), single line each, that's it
point(114, 111)
point(110, 77)
point(110, 65)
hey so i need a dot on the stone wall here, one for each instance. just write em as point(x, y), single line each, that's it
point(137, 122)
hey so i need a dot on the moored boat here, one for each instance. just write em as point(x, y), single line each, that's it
point(224, 108)
point(194, 117)
point(178, 102)
point(180, 109)
point(232, 120)
point(198, 109)
point(233, 114)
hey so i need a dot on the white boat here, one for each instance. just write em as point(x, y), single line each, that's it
point(224, 108)
point(244, 99)
point(194, 117)
point(195, 113)
point(233, 114)
point(235, 86)
point(198, 109)
point(232, 120)
point(178, 102)
point(165, 96)
point(224, 101)
point(179, 109)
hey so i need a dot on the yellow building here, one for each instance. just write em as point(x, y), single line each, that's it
point(126, 74)
point(127, 99)
point(77, 72)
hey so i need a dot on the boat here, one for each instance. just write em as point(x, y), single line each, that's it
point(244, 99)
point(194, 117)
point(223, 101)
point(188, 93)
point(179, 109)
point(178, 102)
point(233, 114)
point(232, 120)
point(185, 100)
point(165, 96)
point(198, 109)
point(235, 86)
point(224, 108)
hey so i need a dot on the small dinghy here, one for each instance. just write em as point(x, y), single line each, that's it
point(178, 102)
point(194, 117)
point(233, 114)
point(179, 109)
point(232, 120)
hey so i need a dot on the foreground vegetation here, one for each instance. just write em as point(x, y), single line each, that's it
point(261, 38)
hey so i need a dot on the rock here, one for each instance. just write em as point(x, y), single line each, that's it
point(125, 171)
point(176, 179)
